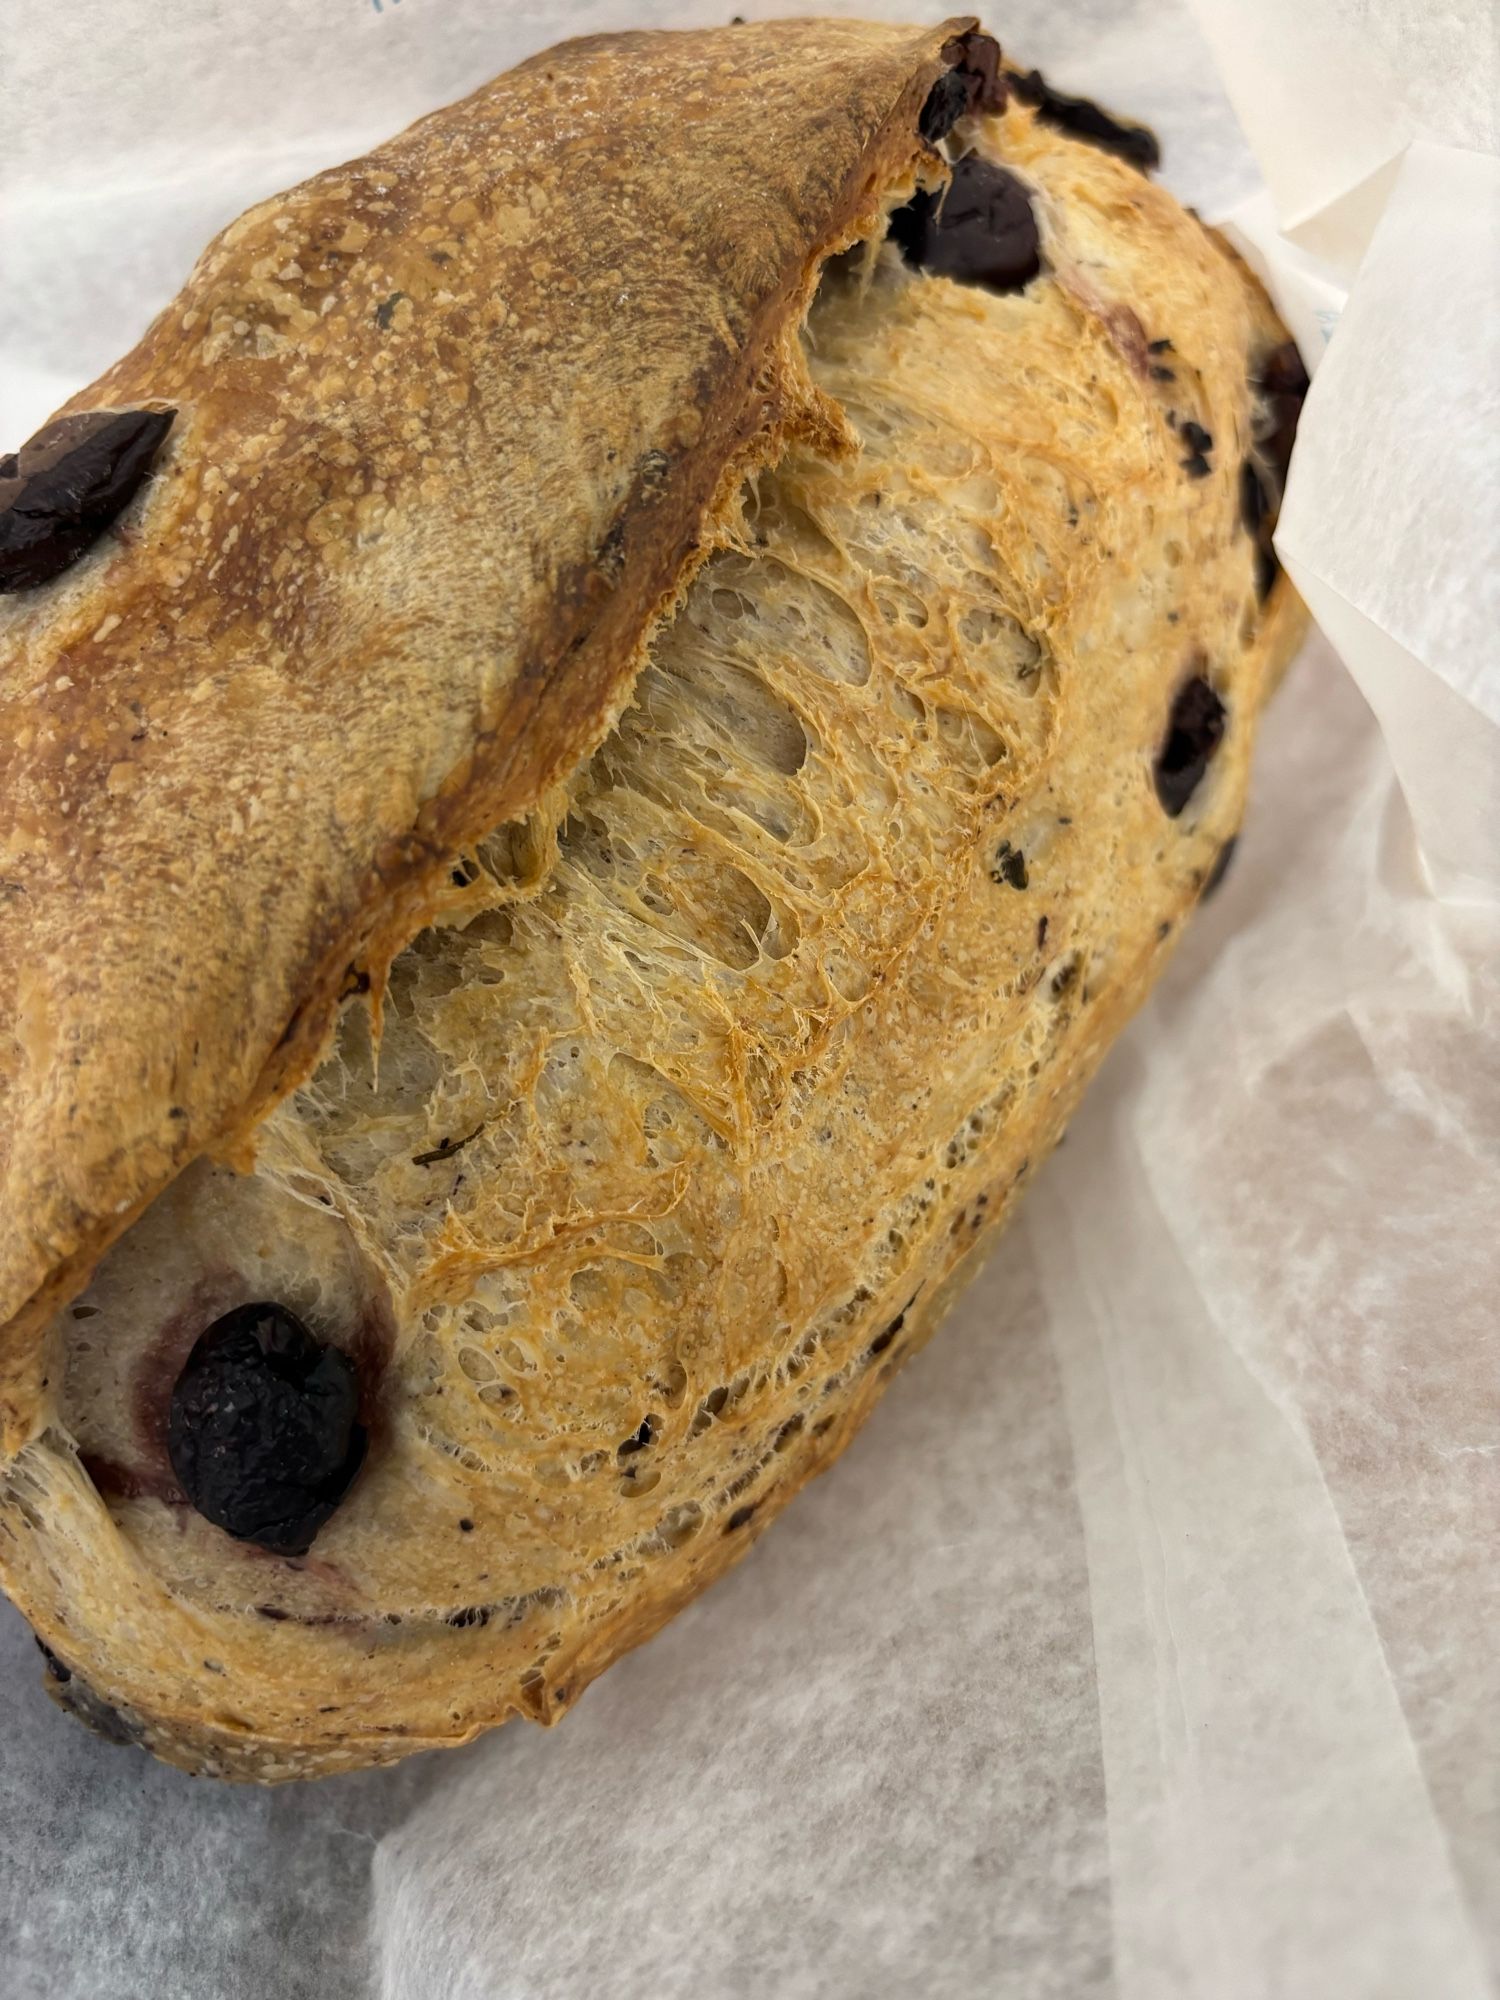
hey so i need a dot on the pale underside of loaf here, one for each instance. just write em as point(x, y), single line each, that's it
point(673, 1131)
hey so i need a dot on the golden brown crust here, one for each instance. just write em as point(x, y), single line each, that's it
point(517, 359)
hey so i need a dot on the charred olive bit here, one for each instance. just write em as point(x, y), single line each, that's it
point(1195, 729)
point(62, 489)
point(263, 1430)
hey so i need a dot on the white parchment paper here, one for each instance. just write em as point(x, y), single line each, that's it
point(1144, 1645)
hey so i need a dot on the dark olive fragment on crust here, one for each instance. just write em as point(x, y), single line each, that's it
point(62, 489)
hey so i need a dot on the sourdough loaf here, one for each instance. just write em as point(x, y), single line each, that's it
point(693, 639)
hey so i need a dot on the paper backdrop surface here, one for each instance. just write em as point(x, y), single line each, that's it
point(1143, 1646)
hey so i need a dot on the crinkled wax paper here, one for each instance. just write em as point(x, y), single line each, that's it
point(1144, 1646)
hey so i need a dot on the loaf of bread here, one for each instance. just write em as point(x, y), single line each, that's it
point(602, 725)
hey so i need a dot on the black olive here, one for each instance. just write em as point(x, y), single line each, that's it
point(1084, 119)
point(62, 489)
point(1259, 506)
point(79, 1699)
point(263, 1431)
point(1201, 443)
point(947, 101)
point(980, 229)
point(1253, 502)
point(1195, 729)
point(1009, 865)
point(976, 56)
point(974, 79)
point(1219, 869)
point(1281, 383)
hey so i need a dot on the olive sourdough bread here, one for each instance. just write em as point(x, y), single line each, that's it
point(717, 811)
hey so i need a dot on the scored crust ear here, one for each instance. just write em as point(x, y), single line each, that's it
point(455, 423)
